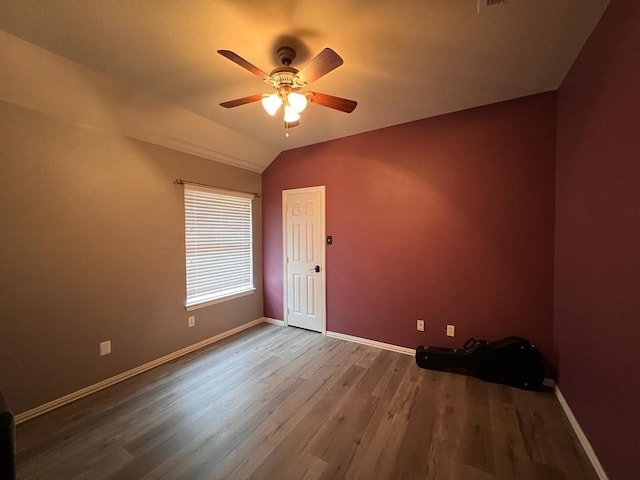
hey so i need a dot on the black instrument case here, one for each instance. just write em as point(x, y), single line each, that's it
point(511, 361)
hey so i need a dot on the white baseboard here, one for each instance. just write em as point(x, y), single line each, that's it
point(581, 436)
point(274, 321)
point(71, 397)
point(547, 382)
point(351, 338)
point(372, 343)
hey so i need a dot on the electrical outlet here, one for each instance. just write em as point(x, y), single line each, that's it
point(451, 331)
point(105, 348)
point(192, 321)
point(420, 325)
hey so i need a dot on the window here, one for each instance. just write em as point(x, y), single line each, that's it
point(219, 245)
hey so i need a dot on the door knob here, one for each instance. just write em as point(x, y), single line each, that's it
point(317, 268)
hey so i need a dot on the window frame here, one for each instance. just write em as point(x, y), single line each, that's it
point(190, 191)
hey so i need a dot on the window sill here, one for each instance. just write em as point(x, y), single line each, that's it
point(196, 306)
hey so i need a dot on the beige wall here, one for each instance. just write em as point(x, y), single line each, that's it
point(92, 249)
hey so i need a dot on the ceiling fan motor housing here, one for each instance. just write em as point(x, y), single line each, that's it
point(285, 77)
point(286, 55)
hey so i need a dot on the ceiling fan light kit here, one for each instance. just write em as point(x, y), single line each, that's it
point(271, 103)
point(290, 115)
point(293, 100)
point(297, 101)
point(288, 83)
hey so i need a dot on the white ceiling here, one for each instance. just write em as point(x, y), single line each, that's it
point(403, 60)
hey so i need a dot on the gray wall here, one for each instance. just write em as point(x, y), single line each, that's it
point(92, 249)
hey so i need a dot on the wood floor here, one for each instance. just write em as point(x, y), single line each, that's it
point(283, 403)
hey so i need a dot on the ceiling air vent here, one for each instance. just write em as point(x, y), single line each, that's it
point(486, 4)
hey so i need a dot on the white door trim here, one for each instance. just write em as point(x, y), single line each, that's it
point(323, 278)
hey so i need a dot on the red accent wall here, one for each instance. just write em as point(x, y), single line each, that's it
point(597, 274)
point(448, 219)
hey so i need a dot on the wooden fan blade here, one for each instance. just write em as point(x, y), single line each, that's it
point(337, 103)
point(320, 65)
point(242, 101)
point(235, 58)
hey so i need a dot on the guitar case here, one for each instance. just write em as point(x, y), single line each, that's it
point(512, 361)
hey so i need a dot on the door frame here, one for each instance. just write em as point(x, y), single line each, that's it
point(323, 249)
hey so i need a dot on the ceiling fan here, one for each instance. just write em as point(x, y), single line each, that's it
point(289, 84)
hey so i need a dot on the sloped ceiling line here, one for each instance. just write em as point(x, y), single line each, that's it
point(149, 69)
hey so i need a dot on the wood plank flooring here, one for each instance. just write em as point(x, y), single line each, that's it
point(283, 403)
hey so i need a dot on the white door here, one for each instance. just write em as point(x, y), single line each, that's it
point(304, 258)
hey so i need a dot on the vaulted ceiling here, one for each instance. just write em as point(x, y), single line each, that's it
point(155, 63)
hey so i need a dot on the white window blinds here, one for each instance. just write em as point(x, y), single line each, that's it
point(219, 244)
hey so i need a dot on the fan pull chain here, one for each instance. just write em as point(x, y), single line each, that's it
point(286, 129)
